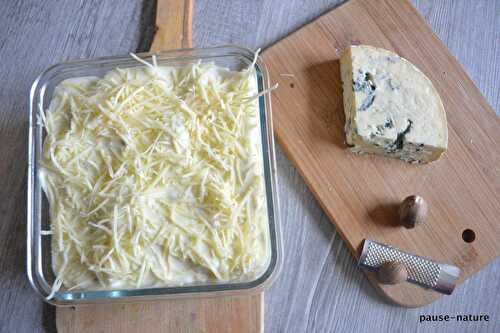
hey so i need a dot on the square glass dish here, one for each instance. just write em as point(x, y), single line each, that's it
point(39, 266)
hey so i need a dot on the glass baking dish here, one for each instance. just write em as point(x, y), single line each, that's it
point(39, 266)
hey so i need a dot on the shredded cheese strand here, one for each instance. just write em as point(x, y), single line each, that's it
point(154, 177)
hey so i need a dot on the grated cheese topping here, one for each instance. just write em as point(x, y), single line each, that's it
point(154, 177)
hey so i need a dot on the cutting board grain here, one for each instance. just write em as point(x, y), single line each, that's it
point(210, 315)
point(174, 21)
point(360, 194)
point(221, 314)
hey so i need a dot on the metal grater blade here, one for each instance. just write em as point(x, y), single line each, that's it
point(427, 273)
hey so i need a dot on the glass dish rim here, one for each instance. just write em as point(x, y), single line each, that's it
point(34, 253)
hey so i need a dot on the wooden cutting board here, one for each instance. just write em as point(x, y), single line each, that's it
point(210, 315)
point(243, 314)
point(360, 194)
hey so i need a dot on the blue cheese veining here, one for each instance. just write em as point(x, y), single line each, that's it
point(391, 107)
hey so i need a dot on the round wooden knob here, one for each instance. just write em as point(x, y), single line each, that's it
point(392, 273)
point(413, 211)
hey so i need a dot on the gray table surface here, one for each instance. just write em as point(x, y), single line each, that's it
point(320, 289)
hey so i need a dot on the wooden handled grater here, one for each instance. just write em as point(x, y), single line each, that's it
point(425, 272)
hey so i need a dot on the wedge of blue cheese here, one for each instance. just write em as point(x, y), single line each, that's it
point(391, 107)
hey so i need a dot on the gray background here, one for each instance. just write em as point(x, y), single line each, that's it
point(320, 289)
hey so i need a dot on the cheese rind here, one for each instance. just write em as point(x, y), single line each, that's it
point(391, 107)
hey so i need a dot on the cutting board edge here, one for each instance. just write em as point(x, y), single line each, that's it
point(352, 247)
